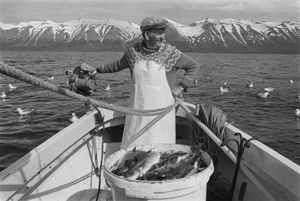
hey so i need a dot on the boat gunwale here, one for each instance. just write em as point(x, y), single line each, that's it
point(89, 121)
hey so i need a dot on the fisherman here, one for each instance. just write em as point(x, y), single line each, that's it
point(153, 65)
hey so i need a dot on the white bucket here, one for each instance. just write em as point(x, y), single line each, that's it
point(189, 188)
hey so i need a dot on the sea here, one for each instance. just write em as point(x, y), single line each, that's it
point(272, 120)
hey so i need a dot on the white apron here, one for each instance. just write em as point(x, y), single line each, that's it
point(150, 91)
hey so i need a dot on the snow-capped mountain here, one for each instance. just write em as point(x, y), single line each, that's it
point(208, 35)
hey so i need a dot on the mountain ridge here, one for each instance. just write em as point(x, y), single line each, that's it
point(207, 35)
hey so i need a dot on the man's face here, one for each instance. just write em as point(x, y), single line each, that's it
point(156, 37)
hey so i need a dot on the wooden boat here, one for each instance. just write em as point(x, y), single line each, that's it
point(68, 165)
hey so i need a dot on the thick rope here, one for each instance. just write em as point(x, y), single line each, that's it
point(153, 121)
point(17, 74)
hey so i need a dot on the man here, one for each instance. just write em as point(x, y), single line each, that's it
point(153, 65)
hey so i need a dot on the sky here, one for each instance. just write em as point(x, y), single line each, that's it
point(181, 11)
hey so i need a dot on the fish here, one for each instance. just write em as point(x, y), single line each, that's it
point(142, 165)
point(127, 161)
point(177, 170)
point(170, 158)
point(134, 154)
point(193, 170)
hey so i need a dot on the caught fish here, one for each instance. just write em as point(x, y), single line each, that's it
point(134, 154)
point(170, 158)
point(142, 166)
point(178, 172)
point(194, 170)
point(127, 161)
point(156, 166)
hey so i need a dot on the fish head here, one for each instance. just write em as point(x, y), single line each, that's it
point(132, 174)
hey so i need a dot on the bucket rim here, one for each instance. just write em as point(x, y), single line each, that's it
point(208, 170)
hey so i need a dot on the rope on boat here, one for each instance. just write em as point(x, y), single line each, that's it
point(17, 74)
point(208, 129)
point(218, 181)
point(215, 119)
point(152, 122)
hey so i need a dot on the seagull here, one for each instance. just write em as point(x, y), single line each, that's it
point(226, 85)
point(269, 89)
point(11, 86)
point(69, 72)
point(209, 79)
point(74, 117)
point(107, 88)
point(3, 95)
point(224, 88)
point(291, 81)
point(297, 112)
point(263, 94)
point(250, 85)
point(25, 111)
point(50, 78)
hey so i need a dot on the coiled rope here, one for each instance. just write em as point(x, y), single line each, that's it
point(215, 119)
point(17, 74)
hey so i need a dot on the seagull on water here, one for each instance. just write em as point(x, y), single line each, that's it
point(224, 88)
point(74, 117)
point(297, 112)
point(11, 86)
point(263, 94)
point(3, 95)
point(269, 89)
point(209, 79)
point(107, 88)
point(25, 111)
point(50, 78)
point(250, 85)
point(69, 72)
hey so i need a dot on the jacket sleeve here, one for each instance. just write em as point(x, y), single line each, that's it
point(191, 68)
point(114, 66)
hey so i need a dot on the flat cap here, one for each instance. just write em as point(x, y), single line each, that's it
point(153, 23)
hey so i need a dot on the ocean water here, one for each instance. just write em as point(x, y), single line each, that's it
point(271, 120)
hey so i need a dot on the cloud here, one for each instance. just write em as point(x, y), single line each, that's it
point(258, 6)
point(247, 6)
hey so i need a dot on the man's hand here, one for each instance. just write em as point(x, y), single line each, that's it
point(177, 92)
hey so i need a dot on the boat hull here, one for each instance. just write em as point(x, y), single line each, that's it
point(66, 166)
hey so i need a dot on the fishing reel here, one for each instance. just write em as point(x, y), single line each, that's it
point(82, 79)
